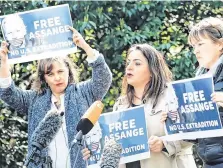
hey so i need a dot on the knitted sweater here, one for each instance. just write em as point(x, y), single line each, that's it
point(78, 98)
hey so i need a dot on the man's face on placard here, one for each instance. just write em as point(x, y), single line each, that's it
point(14, 30)
point(93, 138)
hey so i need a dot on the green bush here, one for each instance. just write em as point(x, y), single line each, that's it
point(110, 27)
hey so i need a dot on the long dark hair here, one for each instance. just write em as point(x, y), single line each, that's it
point(160, 74)
point(39, 83)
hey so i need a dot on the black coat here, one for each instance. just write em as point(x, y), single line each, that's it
point(211, 149)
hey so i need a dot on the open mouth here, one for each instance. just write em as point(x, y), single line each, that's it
point(129, 75)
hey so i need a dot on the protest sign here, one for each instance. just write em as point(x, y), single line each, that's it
point(38, 34)
point(126, 127)
point(195, 115)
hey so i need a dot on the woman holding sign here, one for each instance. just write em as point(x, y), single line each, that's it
point(145, 82)
point(56, 87)
point(206, 38)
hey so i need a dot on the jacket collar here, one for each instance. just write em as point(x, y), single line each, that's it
point(213, 69)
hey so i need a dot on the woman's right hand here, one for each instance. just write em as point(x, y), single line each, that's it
point(163, 116)
point(3, 52)
point(86, 153)
point(5, 68)
point(217, 97)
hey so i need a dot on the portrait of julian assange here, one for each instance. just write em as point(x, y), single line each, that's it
point(15, 33)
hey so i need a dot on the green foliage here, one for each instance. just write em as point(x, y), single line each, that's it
point(13, 139)
point(111, 28)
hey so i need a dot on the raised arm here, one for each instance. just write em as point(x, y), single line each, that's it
point(100, 82)
point(13, 96)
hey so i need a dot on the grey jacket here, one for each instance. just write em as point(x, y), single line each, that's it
point(78, 97)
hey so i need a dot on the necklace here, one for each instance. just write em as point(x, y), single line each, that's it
point(138, 97)
point(58, 105)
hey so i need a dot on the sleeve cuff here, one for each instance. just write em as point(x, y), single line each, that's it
point(171, 147)
point(96, 54)
point(5, 82)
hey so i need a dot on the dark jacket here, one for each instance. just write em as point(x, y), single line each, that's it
point(211, 149)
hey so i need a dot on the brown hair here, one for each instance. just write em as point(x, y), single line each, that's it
point(160, 74)
point(211, 28)
point(39, 83)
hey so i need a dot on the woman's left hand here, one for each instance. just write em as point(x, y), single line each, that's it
point(80, 42)
point(155, 144)
point(78, 39)
point(217, 97)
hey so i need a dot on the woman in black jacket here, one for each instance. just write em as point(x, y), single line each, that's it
point(206, 38)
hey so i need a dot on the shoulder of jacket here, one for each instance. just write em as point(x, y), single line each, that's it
point(122, 100)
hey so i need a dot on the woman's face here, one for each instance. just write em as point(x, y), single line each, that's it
point(137, 70)
point(207, 52)
point(57, 79)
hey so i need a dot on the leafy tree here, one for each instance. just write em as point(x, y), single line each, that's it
point(111, 28)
